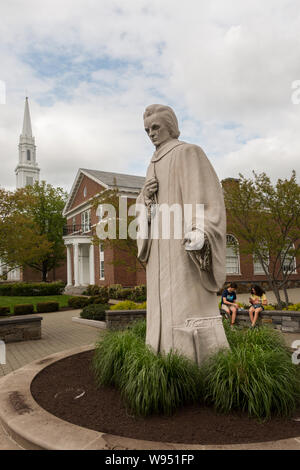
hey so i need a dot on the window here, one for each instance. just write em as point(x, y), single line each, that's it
point(232, 255)
point(257, 265)
point(28, 155)
point(29, 180)
point(101, 251)
point(86, 221)
point(289, 260)
point(84, 192)
point(74, 224)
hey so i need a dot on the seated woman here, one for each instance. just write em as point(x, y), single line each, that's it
point(257, 300)
point(228, 302)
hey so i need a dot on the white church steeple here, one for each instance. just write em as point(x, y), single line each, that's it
point(27, 170)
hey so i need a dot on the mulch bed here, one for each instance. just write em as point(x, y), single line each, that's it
point(67, 390)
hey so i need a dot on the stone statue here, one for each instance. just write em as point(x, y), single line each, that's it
point(183, 274)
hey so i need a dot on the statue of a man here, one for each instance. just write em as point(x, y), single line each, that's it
point(183, 275)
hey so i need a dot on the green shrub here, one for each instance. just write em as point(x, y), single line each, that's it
point(124, 294)
point(23, 309)
point(100, 296)
point(256, 375)
point(126, 305)
point(99, 292)
point(78, 302)
point(294, 307)
point(94, 312)
point(269, 307)
point(149, 383)
point(44, 307)
point(4, 311)
point(113, 290)
point(139, 294)
point(32, 289)
point(5, 289)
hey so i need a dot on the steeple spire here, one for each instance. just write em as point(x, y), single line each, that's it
point(27, 170)
point(27, 130)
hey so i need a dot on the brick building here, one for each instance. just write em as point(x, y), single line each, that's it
point(87, 263)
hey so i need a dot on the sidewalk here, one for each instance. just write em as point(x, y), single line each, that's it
point(59, 333)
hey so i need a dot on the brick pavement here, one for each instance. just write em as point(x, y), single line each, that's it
point(59, 333)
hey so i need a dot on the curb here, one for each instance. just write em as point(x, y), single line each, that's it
point(33, 428)
point(94, 323)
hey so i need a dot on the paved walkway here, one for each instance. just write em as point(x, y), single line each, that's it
point(59, 333)
point(294, 296)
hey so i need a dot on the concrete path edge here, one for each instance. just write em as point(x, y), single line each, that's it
point(33, 428)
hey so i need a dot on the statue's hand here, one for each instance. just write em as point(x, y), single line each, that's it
point(200, 256)
point(194, 240)
point(150, 188)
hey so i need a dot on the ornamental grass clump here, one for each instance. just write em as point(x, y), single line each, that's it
point(149, 383)
point(267, 337)
point(159, 384)
point(110, 355)
point(256, 376)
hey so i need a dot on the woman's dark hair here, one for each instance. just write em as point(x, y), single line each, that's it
point(233, 285)
point(258, 290)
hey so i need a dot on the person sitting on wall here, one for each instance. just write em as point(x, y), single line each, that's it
point(228, 302)
point(257, 300)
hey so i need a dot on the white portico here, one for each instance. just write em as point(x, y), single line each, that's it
point(80, 260)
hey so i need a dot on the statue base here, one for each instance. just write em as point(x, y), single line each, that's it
point(200, 337)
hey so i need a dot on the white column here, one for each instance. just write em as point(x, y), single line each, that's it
point(80, 252)
point(92, 264)
point(69, 266)
point(76, 265)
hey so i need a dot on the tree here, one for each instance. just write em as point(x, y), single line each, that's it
point(267, 218)
point(31, 227)
point(124, 248)
point(20, 239)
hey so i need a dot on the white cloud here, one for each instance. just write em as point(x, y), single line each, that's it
point(91, 67)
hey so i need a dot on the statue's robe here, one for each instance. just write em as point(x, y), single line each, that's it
point(176, 287)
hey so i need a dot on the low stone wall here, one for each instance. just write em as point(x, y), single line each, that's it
point(118, 319)
point(286, 321)
point(20, 328)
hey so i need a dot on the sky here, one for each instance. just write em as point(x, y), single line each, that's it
point(90, 67)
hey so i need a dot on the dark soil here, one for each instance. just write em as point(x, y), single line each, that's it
point(67, 390)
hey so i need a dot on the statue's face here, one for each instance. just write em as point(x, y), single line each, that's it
point(157, 130)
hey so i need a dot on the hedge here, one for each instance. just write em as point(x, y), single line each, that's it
point(23, 309)
point(78, 302)
point(4, 311)
point(32, 289)
point(44, 307)
point(94, 312)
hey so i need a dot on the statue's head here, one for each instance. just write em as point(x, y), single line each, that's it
point(160, 124)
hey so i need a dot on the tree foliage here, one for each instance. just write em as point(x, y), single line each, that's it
point(31, 227)
point(266, 217)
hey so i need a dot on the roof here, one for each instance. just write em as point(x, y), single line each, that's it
point(117, 179)
point(125, 183)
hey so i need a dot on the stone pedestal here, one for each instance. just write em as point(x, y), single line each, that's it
point(198, 338)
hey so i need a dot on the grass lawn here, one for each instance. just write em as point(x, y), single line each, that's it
point(7, 301)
